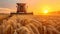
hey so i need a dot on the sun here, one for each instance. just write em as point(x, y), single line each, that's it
point(45, 11)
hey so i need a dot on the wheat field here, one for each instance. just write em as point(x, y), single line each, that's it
point(30, 24)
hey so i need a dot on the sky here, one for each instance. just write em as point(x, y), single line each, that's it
point(33, 5)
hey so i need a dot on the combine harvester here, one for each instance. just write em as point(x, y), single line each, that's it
point(21, 9)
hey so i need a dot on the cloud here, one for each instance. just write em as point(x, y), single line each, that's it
point(6, 10)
